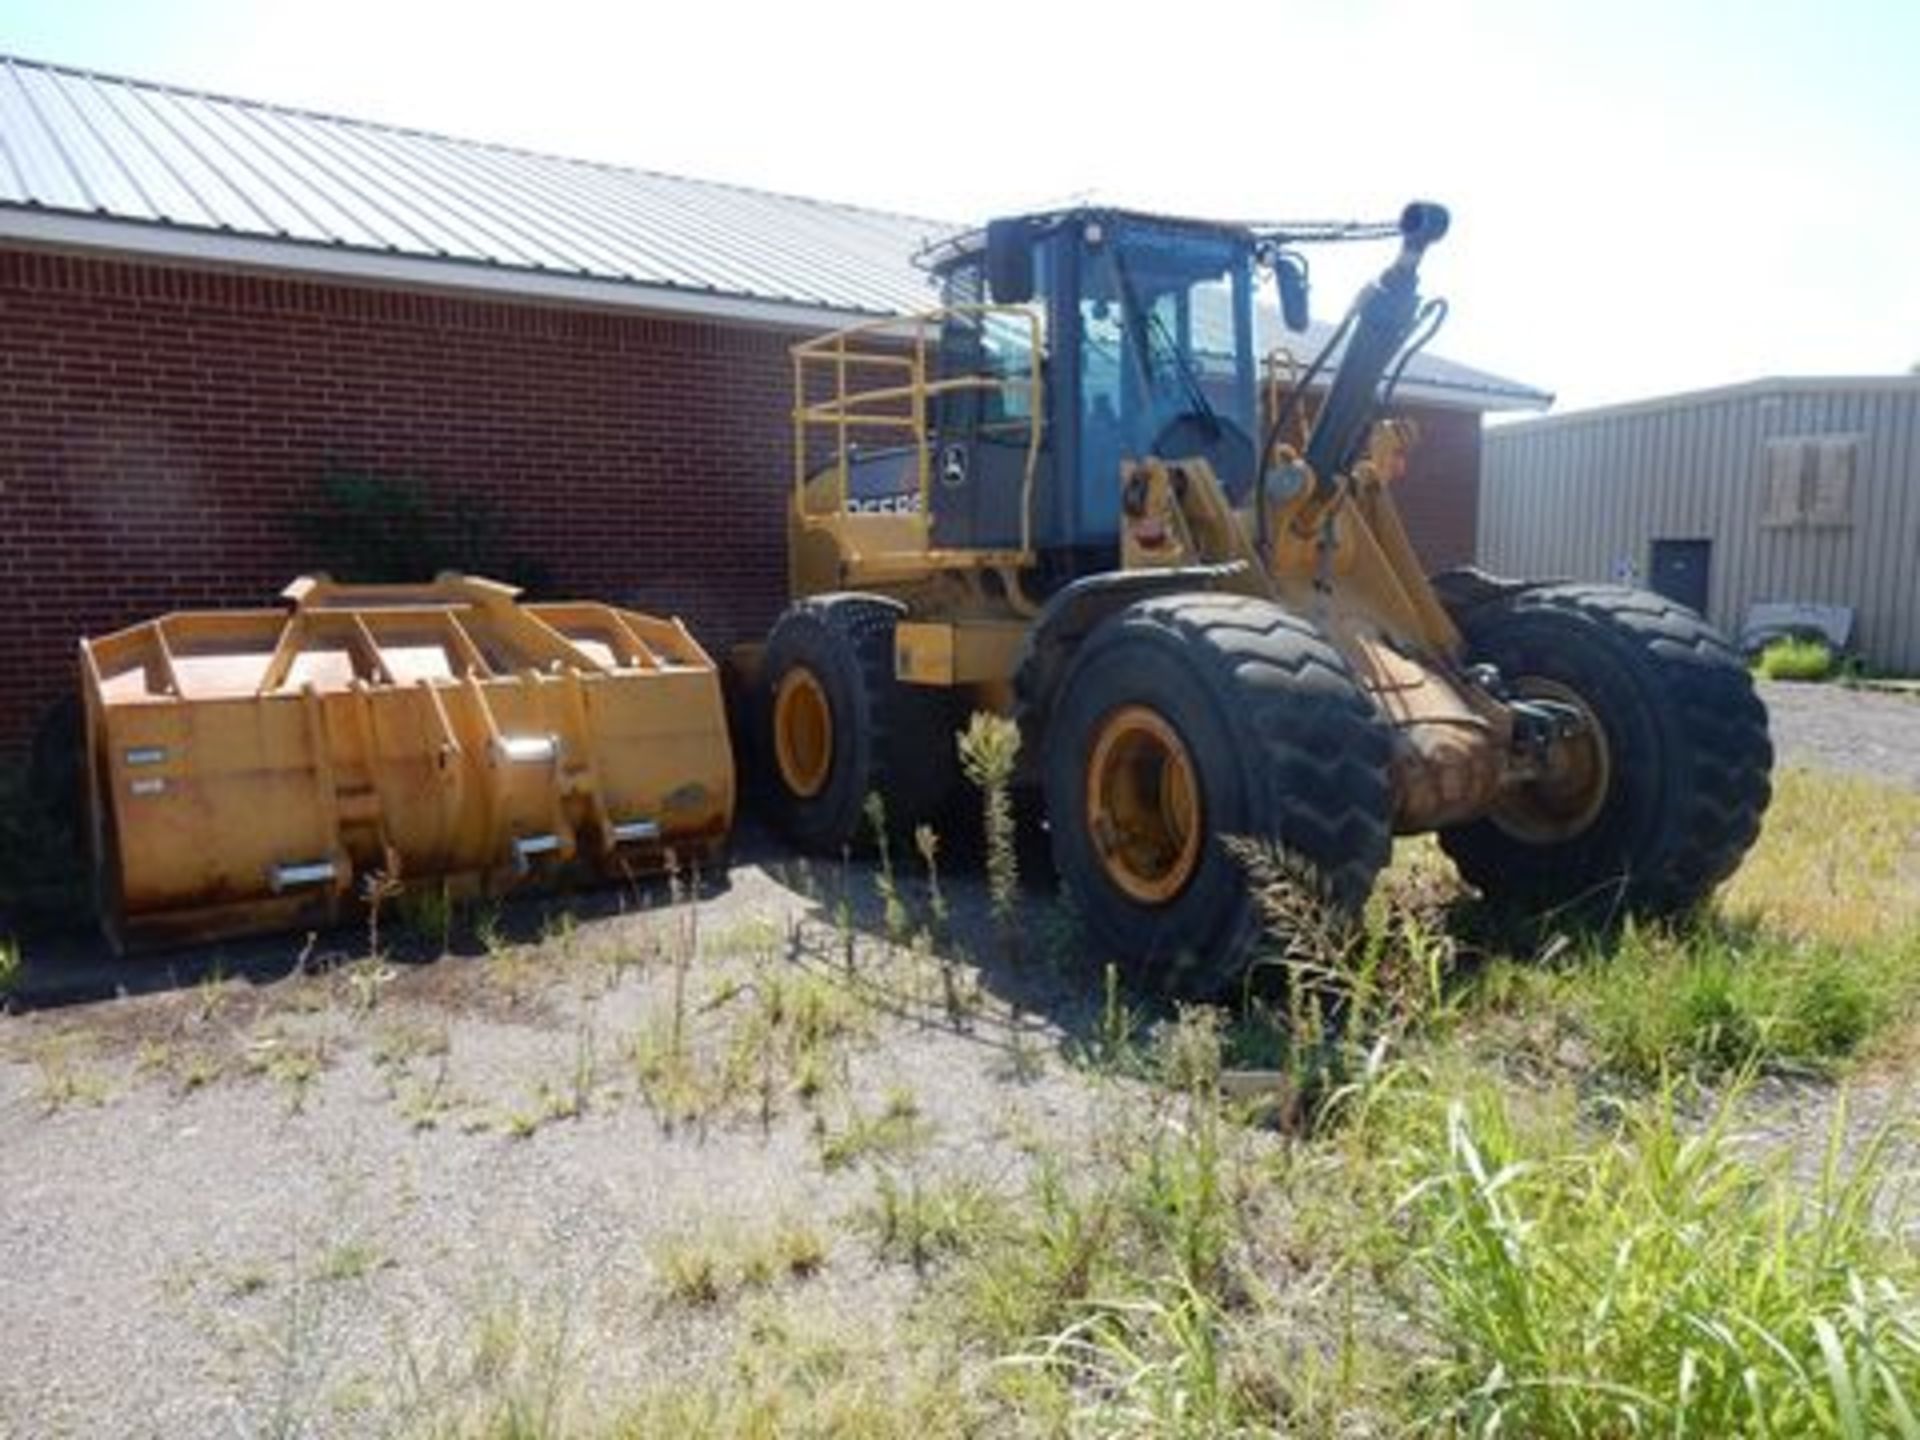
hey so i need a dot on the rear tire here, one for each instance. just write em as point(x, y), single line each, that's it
point(1240, 717)
point(835, 725)
point(1688, 755)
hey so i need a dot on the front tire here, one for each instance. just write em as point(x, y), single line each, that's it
point(1684, 756)
point(1186, 720)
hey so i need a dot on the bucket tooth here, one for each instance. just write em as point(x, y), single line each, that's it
point(526, 848)
point(282, 878)
point(527, 750)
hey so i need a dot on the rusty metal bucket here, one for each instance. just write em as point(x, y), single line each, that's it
point(250, 770)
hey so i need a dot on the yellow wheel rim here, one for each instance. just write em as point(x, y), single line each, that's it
point(1569, 796)
point(802, 732)
point(1143, 805)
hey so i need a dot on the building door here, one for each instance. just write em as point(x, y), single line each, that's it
point(1679, 571)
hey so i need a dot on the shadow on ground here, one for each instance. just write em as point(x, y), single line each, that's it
point(1035, 968)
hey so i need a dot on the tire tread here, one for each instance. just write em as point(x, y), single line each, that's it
point(1315, 754)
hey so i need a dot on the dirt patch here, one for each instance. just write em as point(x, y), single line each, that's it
point(336, 1196)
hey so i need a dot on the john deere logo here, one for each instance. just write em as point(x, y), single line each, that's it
point(953, 465)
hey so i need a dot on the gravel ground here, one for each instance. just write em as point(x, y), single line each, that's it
point(195, 1255)
point(200, 1237)
point(1834, 728)
point(1876, 735)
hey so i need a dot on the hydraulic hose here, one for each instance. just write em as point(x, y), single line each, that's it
point(1383, 318)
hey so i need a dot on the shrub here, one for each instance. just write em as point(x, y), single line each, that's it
point(380, 529)
point(1792, 658)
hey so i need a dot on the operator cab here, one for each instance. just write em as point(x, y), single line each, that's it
point(1145, 346)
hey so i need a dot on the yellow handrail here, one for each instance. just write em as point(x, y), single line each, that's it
point(846, 411)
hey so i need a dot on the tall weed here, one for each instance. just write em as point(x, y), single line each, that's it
point(989, 751)
point(1671, 1279)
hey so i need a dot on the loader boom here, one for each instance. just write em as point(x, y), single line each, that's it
point(1383, 319)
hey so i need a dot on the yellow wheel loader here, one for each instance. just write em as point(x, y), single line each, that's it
point(1070, 495)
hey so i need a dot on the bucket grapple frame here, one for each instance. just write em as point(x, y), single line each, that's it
point(255, 770)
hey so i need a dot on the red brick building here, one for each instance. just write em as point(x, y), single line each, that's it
point(208, 306)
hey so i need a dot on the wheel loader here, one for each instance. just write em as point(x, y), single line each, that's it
point(1077, 495)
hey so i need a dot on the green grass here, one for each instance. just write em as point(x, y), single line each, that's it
point(1712, 1003)
point(1809, 962)
point(1512, 1193)
point(1838, 860)
point(352, 1260)
point(428, 914)
point(66, 1072)
point(897, 1130)
point(750, 1047)
point(1790, 658)
point(1704, 1002)
point(291, 1055)
point(1513, 1208)
point(916, 1221)
point(10, 967)
point(1666, 1280)
point(787, 1380)
point(989, 752)
point(702, 1269)
point(691, 1272)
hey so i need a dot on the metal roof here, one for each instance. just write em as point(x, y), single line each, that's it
point(1861, 388)
point(1428, 376)
point(105, 161)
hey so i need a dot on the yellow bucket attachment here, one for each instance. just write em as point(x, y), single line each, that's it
point(254, 770)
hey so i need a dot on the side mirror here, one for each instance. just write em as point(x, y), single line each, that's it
point(1290, 274)
point(1009, 263)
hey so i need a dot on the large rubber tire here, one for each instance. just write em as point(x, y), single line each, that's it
point(887, 738)
point(1689, 757)
point(1284, 747)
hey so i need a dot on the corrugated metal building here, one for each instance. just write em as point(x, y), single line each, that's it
point(208, 304)
point(1797, 491)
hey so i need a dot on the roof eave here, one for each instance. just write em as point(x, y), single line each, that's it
point(64, 230)
point(1486, 401)
point(1766, 387)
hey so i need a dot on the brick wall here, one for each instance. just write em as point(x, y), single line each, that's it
point(161, 427)
point(1440, 496)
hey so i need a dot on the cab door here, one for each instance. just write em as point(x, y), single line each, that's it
point(982, 432)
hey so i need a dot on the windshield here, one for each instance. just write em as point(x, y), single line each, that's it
point(1166, 362)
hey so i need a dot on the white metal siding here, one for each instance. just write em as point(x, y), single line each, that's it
point(1577, 495)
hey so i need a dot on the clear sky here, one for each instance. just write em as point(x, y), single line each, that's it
point(1646, 196)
